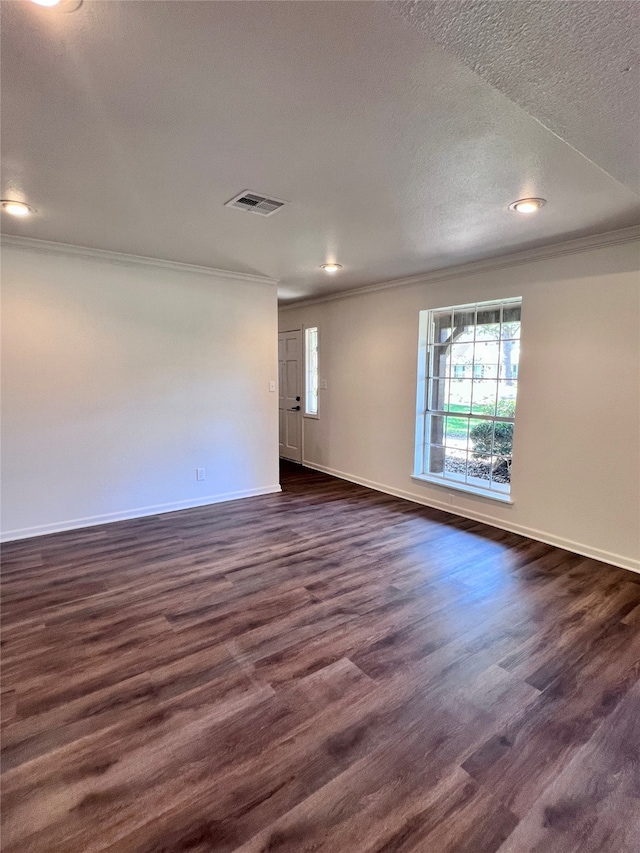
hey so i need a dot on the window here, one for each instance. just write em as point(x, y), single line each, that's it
point(311, 371)
point(467, 386)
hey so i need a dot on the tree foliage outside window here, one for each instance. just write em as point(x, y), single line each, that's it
point(487, 439)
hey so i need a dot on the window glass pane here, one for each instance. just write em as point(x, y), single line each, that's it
point(456, 432)
point(507, 398)
point(511, 321)
point(461, 359)
point(488, 324)
point(436, 429)
point(463, 323)
point(455, 464)
point(460, 395)
point(503, 439)
point(488, 354)
point(500, 472)
point(439, 394)
point(440, 361)
point(311, 365)
point(509, 359)
point(464, 335)
point(478, 471)
point(484, 397)
point(441, 327)
point(489, 371)
point(481, 438)
point(436, 460)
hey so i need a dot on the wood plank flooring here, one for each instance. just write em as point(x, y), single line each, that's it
point(329, 669)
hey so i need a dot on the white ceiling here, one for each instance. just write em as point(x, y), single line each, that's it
point(575, 66)
point(400, 135)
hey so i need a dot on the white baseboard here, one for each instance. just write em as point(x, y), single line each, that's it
point(539, 535)
point(140, 512)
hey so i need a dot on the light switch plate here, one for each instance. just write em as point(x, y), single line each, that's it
point(272, 385)
point(323, 384)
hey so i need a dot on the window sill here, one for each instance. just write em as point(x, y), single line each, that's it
point(451, 485)
point(313, 417)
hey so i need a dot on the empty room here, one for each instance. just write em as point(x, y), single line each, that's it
point(320, 470)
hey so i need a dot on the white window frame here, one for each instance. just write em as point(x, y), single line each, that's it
point(426, 345)
point(311, 372)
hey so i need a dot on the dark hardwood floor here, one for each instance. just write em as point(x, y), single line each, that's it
point(329, 669)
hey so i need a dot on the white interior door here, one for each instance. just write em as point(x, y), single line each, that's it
point(290, 394)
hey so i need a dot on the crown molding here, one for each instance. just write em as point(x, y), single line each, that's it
point(527, 256)
point(67, 250)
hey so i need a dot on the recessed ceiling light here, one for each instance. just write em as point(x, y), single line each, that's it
point(63, 5)
point(331, 267)
point(527, 205)
point(16, 208)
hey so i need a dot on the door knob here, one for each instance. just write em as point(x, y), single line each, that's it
point(295, 409)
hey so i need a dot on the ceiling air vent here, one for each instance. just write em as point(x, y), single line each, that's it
point(255, 203)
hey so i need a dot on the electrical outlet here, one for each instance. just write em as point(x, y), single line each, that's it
point(200, 474)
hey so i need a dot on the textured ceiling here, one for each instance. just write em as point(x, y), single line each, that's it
point(575, 66)
point(128, 125)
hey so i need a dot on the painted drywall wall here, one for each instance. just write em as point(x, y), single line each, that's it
point(118, 381)
point(576, 470)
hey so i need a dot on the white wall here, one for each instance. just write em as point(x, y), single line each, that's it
point(576, 470)
point(119, 380)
